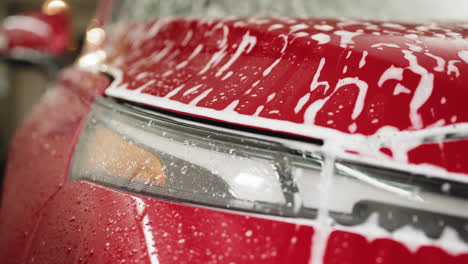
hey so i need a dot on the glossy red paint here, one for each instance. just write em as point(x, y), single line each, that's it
point(45, 219)
point(299, 76)
point(345, 247)
point(39, 158)
point(451, 155)
point(37, 32)
point(94, 224)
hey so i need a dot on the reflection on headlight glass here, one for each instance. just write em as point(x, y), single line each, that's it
point(130, 148)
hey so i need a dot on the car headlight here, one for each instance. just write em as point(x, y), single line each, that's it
point(146, 152)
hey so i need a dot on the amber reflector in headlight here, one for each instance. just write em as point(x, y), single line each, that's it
point(108, 153)
point(137, 150)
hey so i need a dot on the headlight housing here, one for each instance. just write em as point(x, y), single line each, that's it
point(146, 152)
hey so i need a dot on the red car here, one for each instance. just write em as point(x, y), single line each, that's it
point(183, 135)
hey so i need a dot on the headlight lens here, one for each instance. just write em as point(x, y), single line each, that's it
point(130, 148)
point(159, 156)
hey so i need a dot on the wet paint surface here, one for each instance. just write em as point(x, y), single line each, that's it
point(344, 247)
point(322, 79)
point(95, 224)
point(39, 156)
point(36, 32)
point(44, 219)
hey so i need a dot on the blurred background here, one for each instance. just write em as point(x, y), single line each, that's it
point(24, 80)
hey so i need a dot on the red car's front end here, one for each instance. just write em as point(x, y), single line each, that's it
point(184, 135)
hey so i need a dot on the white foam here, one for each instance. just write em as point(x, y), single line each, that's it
point(412, 238)
point(285, 42)
point(141, 75)
point(362, 62)
point(259, 110)
point(215, 59)
point(398, 141)
point(271, 97)
point(232, 106)
point(311, 111)
point(463, 55)
point(227, 75)
point(323, 227)
point(155, 28)
point(174, 92)
point(315, 83)
point(321, 38)
point(323, 27)
point(452, 68)
point(187, 38)
point(181, 65)
point(298, 27)
point(423, 90)
point(301, 34)
point(200, 97)
point(393, 25)
point(315, 107)
point(389, 45)
point(246, 45)
point(195, 52)
point(275, 26)
point(300, 104)
point(141, 88)
point(399, 88)
point(346, 37)
point(192, 90)
point(392, 73)
point(411, 36)
point(362, 86)
point(349, 54)
point(352, 128)
point(224, 41)
point(268, 70)
point(27, 23)
point(440, 62)
point(158, 56)
point(414, 48)
point(147, 232)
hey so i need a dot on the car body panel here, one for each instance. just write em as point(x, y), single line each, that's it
point(46, 219)
point(105, 222)
point(371, 88)
point(36, 33)
point(39, 156)
point(88, 223)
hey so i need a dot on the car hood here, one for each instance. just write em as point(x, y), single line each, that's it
point(378, 89)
